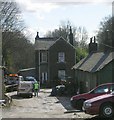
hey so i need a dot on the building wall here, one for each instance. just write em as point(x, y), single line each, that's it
point(105, 75)
point(41, 67)
point(37, 64)
point(87, 81)
point(54, 66)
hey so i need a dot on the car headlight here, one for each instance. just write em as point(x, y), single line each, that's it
point(71, 99)
point(87, 104)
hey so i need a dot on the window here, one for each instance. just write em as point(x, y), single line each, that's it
point(43, 57)
point(44, 77)
point(61, 57)
point(61, 74)
point(102, 89)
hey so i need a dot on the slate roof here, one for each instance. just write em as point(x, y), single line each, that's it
point(94, 62)
point(44, 43)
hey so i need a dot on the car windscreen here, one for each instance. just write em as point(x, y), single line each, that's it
point(29, 79)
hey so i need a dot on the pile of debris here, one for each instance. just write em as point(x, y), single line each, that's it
point(6, 102)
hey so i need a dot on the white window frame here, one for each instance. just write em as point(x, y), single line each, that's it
point(44, 76)
point(61, 74)
point(43, 56)
point(61, 57)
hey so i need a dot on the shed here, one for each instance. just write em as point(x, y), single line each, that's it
point(94, 69)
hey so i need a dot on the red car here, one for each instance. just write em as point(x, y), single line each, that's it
point(102, 105)
point(77, 100)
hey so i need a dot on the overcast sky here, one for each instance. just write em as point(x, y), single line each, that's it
point(44, 16)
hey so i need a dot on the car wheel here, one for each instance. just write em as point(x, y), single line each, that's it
point(106, 110)
point(31, 96)
point(18, 94)
point(80, 104)
point(73, 103)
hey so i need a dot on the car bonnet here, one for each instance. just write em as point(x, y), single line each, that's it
point(99, 98)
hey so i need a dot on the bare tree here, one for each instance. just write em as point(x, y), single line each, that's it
point(15, 45)
point(10, 17)
point(80, 34)
point(81, 37)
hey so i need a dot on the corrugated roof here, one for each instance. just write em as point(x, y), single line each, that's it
point(27, 69)
point(95, 61)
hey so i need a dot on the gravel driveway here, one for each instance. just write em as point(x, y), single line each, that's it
point(43, 106)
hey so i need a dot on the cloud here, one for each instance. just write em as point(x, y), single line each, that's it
point(30, 33)
point(32, 6)
point(66, 1)
point(40, 17)
point(48, 5)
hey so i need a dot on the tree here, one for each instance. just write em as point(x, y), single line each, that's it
point(17, 50)
point(10, 17)
point(80, 36)
point(80, 54)
point(104, 35)
point(62, 31)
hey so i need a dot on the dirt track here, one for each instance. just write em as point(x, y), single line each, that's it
point(44, 106)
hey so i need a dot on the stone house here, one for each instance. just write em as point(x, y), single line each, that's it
point(54, 58)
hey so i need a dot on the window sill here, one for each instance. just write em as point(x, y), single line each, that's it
point(61, 62)
point(43, 62)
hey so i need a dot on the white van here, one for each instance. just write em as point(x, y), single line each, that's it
point(25, 86)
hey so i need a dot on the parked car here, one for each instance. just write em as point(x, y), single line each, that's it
point(102, 105)
point(25, 86)
point(58, 90)
point(30, 78)
point(77, 100)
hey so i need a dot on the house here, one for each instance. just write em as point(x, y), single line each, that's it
point(54, 58)
point(94, 69)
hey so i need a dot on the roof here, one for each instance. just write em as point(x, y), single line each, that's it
point(94, 61)
point(61, 38)
point(22, 70)
point(46, 43)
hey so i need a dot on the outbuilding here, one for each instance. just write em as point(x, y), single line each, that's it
point(95, 69)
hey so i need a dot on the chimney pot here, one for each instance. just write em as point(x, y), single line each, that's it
point(71, 36)
point(94, 39)
point(91, 39)
point(37, 36)
point(92, 45)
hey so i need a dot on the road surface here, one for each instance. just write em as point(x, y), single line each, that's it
point(43, 106)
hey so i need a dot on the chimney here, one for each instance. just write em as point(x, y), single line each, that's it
point(37, 36)
point(92, 45)
point(71, 36)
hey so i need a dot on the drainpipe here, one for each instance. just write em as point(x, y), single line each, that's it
point(39, 69)
point(48, 68)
